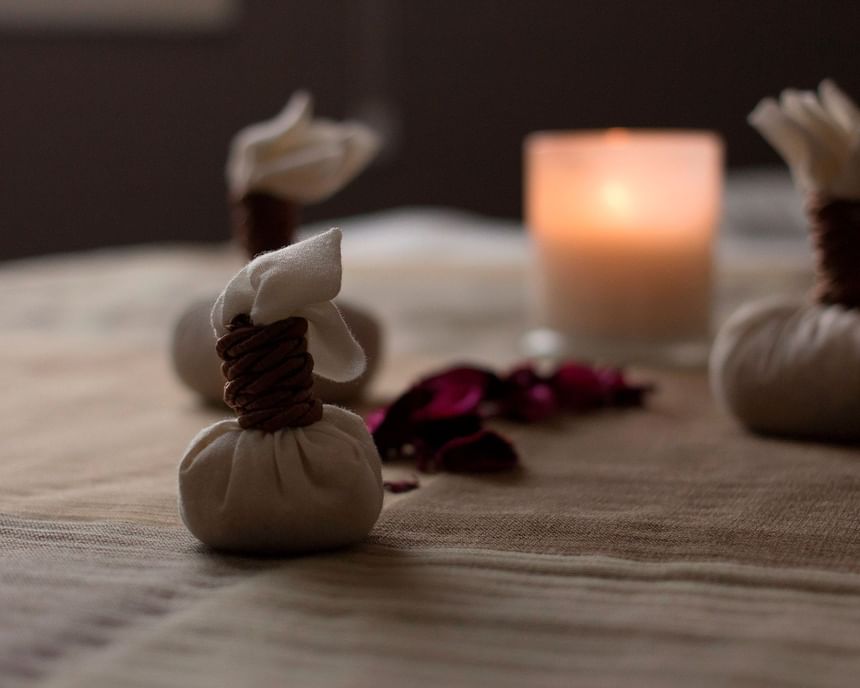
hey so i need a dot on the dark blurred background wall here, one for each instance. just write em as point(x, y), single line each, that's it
point(114, 137)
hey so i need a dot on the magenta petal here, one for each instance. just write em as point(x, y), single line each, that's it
point(578, 387)
point(393, 428)
point(399, 433)
point(485, 451)
point(438, 422)
point(619, 392)
point(539, 403)
point(375, 418)
point(523, 376)
point(399, 486)
point(454, 392)
point(439, 432)
point(526, 396)
point(532, 404)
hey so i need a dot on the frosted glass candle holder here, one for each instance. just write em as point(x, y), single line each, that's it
point(622, 226)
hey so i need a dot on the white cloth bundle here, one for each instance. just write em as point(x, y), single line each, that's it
point(295, 159)
point(298, 158)
point(791, 368)
point(819, 138)
point(296, 489)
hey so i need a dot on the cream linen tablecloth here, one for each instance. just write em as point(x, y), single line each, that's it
point(662, 547)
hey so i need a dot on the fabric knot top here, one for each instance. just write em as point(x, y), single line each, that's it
point(297, 156)
point(297, 281)
point(269, 374)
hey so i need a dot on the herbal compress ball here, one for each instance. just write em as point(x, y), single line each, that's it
point(791, 368)
point(289, 474)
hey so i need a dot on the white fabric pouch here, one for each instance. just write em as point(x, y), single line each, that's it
point(788, 368)
point(296, 489)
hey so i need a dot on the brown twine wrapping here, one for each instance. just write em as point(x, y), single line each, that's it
point(262, 222)
point(836, 234)
point(268, 371)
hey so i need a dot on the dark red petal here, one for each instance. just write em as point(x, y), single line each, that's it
point(526, 396)
point(482, 452)
point(621, 393)
point(454, 392)
point(532, 404)
point(517, 378)
point(523, 376)
point(438, 432)
point(375, 418)
point(539, 403)
point(578, 387)
point(399, 486)
point(394, 427)
point(438, 422)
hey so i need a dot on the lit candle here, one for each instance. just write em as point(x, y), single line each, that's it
point(622, 224)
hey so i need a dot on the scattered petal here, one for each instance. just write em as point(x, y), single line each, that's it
point(525, 396)
point(438, 423)
point(485, 451)
point(400, 486)
point(375, 418)
point(621, 393)
point(578, 387)
point(392, 427)
point(454, 392)
point(438, 432)
point(537, 403)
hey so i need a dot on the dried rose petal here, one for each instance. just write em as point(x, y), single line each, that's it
point(375, 418)
point(393, 427)
point(485, 451)
point(400, 486)
point(399, 433)
point(523, 376)
point(433, 435)
point(430, 413)
point(538, 403)
point(531, 404)
point(578, 387)
point(621, 393)
point(456, 391)
point(525, 396)
point(438, 423)
point(439, 432)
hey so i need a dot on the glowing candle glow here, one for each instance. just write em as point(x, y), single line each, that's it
point(622, 223)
